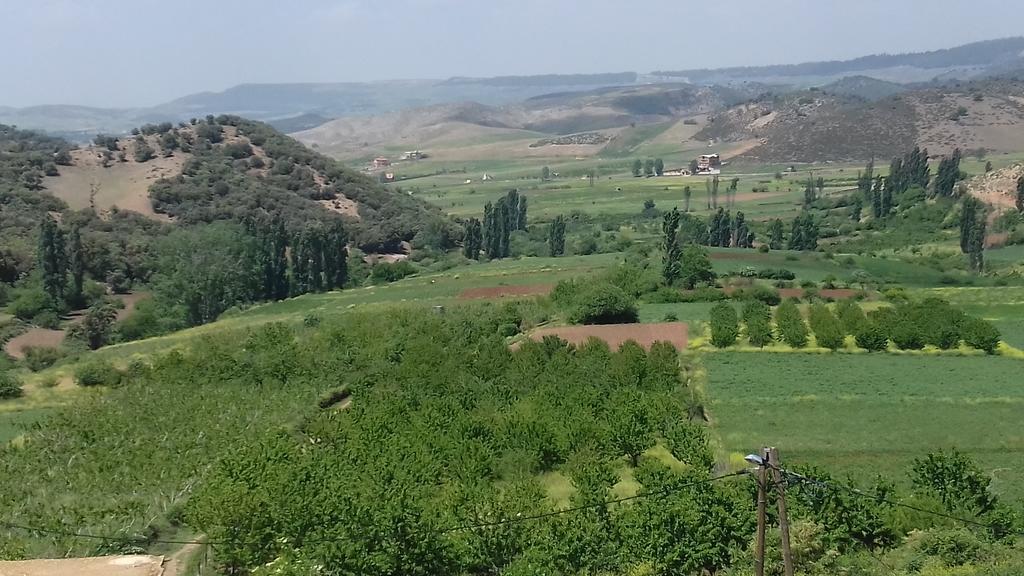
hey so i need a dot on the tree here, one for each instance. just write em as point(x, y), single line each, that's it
point(851, 317)
point(876, 197)
point(521, 214)
point(693, 166)
point(545, 173)
point(757, 318)
point(1020, 195)
point(52, 260)
point(472, 240)
point(556, 236)
point(741, 233)
point(76, 266)
point(948, 174)
point(638, 167)
point(688, 193)
point(856, 207)
point(670, 267)
point(981, 335)
point(335, 255)
point(649, 167)
point(631, 426)
point(791, 324)
point(659, 166)
point(972, 231)
point(871, 336)
point(695, 267)
point(603, 303)
point(956, 480)
point(96, 327)
point(143, 151)
point(804, 234)
point(724, 325)
point(775, 231)
point(714, 191)
point(988, 167)
point(827, 330)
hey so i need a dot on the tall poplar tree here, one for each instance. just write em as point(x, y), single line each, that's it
point(670, 246)
point(53, 260)
point(556, 236)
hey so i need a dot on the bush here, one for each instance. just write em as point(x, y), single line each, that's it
point(10, 386)
point(29, 303)
point(791, 324)
point(871, 336)
point(907, 336)
point(41, 357)
point(826, 327)
point(758, 319)
point(47, 319)
point(391, 271)
point(766, 294)
point(981, 334)
point(603, 303)
point(666, 295)
point(763, 249)
point(97, 373)
point(724, 325)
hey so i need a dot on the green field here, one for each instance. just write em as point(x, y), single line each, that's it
point(865, 415)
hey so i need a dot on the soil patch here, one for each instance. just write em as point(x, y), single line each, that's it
point(503, 291)
point(615, 335)
point(15, 347)
point(103, 566)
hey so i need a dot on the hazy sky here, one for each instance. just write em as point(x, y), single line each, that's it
point(144, 52)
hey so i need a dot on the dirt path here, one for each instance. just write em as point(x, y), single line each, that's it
point(103, 566)
point(177, 564)
point(15, 347)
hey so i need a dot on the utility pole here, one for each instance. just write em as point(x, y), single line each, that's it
point(780, 486)
point(769, 467)
point(762, 502)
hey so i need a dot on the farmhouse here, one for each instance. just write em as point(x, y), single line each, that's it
point(709, 164)
point(381, 162)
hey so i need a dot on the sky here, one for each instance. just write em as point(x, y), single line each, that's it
point(127, 53)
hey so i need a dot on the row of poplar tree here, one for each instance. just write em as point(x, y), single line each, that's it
point(492, 236)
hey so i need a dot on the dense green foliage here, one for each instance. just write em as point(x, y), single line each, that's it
point(757, 318)
point(724, 325)
point(790, 323)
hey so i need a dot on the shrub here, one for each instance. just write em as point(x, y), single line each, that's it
point(10, 386)
point(47, 319)
point(907, 336)
point(826, 327)
point(97, 373)
point(29, 304)
point(981, 334)
point(391, 271)
point(603, 303)
point(766, 294)
point(758, 319)
point(776, 274)
point(724, 325)
point(871, 336)
point(670, 317)
point(791, 324)
point(763, 249)
point(41, 357)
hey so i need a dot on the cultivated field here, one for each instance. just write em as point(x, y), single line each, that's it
point(866, 415)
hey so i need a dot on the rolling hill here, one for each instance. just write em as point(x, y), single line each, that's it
point(818, 125)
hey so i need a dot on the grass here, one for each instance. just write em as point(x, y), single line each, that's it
point(14, 423)
point(864, 415)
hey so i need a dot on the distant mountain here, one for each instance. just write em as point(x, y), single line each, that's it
point(967, 61)
point(280, 102)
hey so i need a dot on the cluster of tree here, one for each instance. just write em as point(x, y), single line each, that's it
point(813, 190)
point(501, 219)
point(218, 183)
point(803, 233)
point(908, 180)
point(909, 326)
point(725, 231)
point(948, 174)
point(202, 272)
point(687, 265)
point(649, 167)
point(556, 236)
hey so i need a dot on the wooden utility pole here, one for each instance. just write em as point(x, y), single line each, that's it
point(780, 486)
point(762, 503)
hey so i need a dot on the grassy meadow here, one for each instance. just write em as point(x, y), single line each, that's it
point(870, 414)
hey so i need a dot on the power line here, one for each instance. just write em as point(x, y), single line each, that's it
point(510, 520)
point(516, 519)
point(858, 492)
